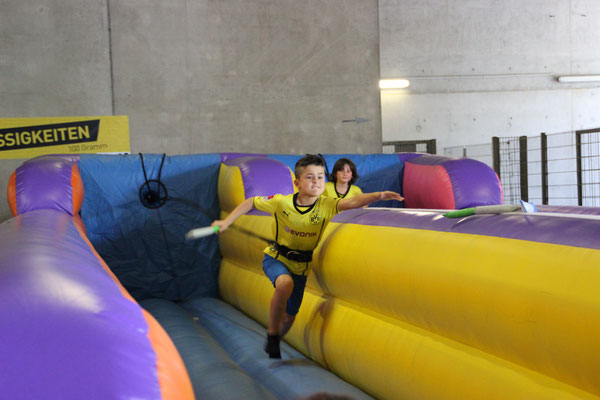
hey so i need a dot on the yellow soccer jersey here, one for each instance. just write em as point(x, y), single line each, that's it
point(297, 227)
point(330, 191)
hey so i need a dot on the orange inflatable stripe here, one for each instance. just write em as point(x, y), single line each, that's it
point(173, 378)
point(77, 189)
point(11, 193)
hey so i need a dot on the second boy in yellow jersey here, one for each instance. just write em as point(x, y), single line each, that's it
point(342, 178)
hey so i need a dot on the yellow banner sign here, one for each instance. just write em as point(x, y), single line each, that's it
point(32, 137)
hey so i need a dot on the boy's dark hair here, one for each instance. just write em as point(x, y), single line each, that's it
point(309, 159)
point(339, 165)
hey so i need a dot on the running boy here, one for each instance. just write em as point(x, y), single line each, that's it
point(299, 222)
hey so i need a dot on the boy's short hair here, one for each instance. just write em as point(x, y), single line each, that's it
point(339, 165)
point(309, 159)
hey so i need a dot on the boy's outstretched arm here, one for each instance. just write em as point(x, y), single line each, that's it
point(361, 200)
point(237, 212)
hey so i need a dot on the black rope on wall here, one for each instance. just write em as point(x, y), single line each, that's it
point(150, 191)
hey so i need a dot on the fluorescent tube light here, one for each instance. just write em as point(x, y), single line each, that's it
point(578, 78)
point(393, 83)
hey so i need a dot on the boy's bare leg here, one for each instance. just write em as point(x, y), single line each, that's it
point(283, 289)
point(286, 323)
point(284, 285)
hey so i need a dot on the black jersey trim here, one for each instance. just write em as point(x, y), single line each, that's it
point(305, 269)
point(276, 231)
point(318, 240)
point(339, 195)
point(305, 211)
point(321, 232)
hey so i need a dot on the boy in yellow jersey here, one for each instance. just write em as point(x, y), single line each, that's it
point(343, 177)
point(299, 222)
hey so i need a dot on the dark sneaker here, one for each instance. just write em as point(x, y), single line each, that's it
point(272, 346)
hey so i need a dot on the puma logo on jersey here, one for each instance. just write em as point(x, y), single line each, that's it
point(287, 214)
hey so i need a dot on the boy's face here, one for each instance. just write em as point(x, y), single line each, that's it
point(344, 175)
point(311, 181)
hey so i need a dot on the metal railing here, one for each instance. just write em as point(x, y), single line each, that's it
point(560, 168)
point(410, 146)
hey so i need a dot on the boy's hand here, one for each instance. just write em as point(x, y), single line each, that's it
point(238, 211)
point(365, 199)
point(222, 224)
point(387, 195)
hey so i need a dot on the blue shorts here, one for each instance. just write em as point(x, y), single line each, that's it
point(273, 269)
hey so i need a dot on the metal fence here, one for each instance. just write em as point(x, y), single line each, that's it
point(558, 169)
point(410, 146)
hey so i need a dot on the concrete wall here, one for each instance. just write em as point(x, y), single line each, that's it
point(260, 76)
point(281, 75)
point(483, 68)
point(200, 76)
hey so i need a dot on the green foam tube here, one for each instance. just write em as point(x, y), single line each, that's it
point(465, 212)
point(495, 209)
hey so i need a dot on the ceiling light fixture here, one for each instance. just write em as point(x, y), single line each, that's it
point(393, 83)
point(578, 78)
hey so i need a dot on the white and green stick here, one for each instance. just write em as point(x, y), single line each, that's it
point(201, 232)
point(524, 209)
point(497, 209)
